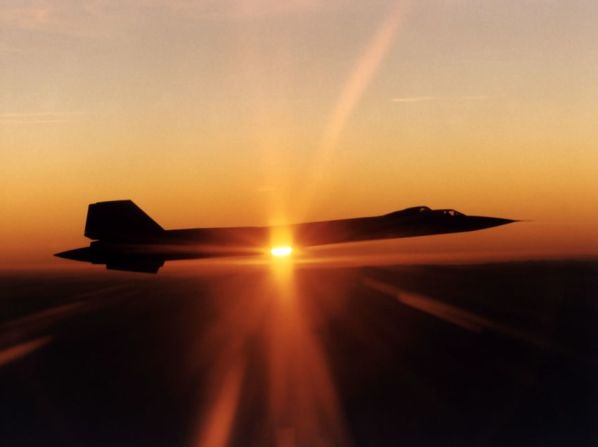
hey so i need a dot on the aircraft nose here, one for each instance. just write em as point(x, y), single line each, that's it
point(489, 222)
point(78, 254)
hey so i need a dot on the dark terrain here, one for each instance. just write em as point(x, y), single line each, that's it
point(502, 354)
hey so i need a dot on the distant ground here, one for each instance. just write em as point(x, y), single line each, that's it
point(502, 354)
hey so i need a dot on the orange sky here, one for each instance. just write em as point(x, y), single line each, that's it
point(255, 111)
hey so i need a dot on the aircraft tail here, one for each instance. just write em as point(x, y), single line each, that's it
point(119, 220)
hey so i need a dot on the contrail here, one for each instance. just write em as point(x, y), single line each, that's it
point(362, 74)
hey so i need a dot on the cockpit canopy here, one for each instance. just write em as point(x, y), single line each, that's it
point(420, 210)
point(451, 213)
point(415, 210)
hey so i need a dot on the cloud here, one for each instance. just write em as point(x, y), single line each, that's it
point(405, 99)
point(243, 9)
point(99, 17)
point(65, 17)
point(34, 117)
point(25, 15)
point(20, 350)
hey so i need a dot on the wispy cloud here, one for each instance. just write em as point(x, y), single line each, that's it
point(63, 17)
point(440, 98)
point(35, 117)
point(100, 17)
point(9, 49)
point(20, 350)
point(243, 9)
point(25, 15)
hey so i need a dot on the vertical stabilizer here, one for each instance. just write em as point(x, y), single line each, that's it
point(119, 220)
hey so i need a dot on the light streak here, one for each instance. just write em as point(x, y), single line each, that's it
point(366, 67)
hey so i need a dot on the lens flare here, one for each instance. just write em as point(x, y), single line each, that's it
point(281, 251)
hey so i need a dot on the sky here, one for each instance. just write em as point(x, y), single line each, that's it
point(249, 112)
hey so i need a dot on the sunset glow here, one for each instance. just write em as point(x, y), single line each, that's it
point(254, 113)
point(272, 253)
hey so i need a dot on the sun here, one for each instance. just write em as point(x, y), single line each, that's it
point(281, 251)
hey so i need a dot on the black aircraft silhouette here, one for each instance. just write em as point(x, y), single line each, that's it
point(125, 238)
